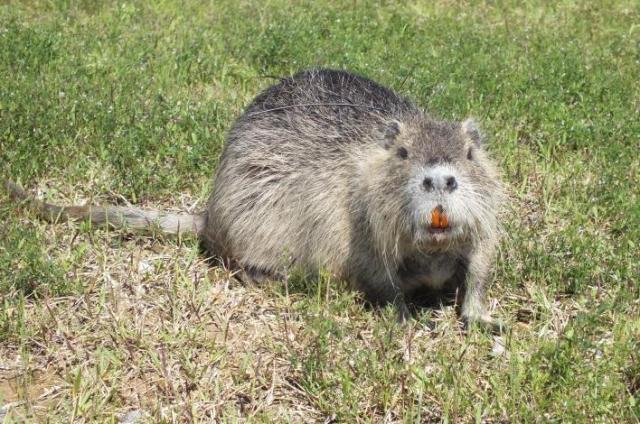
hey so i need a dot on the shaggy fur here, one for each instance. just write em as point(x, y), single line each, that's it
point(329, 170)
point(326, 170)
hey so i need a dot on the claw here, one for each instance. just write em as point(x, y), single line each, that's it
point(490, 325)
point(402, 311)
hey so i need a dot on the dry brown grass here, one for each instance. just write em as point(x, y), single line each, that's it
point(157, 330)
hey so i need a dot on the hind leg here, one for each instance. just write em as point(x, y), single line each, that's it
point(382, 293)
point(254, 275)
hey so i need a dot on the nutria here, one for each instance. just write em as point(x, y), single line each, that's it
point(329, 170)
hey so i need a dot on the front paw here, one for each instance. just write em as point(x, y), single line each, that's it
point(402, 311)
point(488, 324)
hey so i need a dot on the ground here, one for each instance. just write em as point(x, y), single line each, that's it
point(116, 102)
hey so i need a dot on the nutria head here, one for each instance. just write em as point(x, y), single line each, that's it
point(449, 185)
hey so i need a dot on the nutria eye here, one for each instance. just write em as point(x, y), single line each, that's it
point(402, 152)
point(470, 153)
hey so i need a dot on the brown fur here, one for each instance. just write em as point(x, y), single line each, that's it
point(329, 170)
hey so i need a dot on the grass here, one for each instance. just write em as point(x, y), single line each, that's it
point(105, 101)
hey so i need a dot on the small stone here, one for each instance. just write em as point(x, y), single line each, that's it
point(498, 347)
point(144, 267)
point(131, 416)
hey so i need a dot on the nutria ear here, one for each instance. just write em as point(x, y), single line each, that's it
point(471, 130)
point(389, 133)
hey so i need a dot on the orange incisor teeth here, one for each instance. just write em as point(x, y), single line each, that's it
point(439, 218)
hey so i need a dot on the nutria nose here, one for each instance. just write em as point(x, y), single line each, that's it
point(451, 183)
point(428, 184)
point(439, 179)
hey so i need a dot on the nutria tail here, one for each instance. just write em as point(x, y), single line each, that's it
point(115, 216)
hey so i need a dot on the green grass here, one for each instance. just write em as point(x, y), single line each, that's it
point(101, 101)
